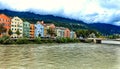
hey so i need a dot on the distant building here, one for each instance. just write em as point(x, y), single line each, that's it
point(62, 32)
point(67, 33)
point(59, 31)
point(39, 29)
point(32, 30)
point(5, 21)
point(47, 27)
point(26, 29)
point(17, 25)
point(72, 34)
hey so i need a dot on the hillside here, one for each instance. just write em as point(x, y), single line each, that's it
point(105, 29)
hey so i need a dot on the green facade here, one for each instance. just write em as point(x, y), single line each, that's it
point(26, 29)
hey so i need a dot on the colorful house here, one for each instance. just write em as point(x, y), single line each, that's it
point(67, 33)
point(5, 21)
point(59, 31)
point(26, 29)
point(48, 27)
point(39, 29)
point(62, 32)
point(32, 30)
point(17, 26)
point(72, 34)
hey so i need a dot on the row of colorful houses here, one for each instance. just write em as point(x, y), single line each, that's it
point(31, 30)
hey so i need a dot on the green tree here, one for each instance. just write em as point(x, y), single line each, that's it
point(51, 32)
point(2, 29)
point(10, 32)
point(86, 33)
point(18, 32)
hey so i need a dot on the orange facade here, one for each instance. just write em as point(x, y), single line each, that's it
point(32, 30)
point(67, 33)
point(6, 21)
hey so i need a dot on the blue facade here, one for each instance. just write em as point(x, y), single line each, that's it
point(39, 30)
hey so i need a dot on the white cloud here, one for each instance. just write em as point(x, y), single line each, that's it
point(90, 11)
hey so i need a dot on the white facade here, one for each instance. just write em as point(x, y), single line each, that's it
point(72, 34)
point(60, 31)
point(16, 24)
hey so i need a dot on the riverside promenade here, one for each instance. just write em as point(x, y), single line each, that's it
point(110, 42)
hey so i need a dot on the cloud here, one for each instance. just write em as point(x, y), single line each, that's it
point(90, 11)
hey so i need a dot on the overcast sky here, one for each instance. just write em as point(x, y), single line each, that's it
point(90, 11)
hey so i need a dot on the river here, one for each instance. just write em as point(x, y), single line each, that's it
point(60, 56)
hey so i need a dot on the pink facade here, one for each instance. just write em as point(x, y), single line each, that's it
point(67, 33)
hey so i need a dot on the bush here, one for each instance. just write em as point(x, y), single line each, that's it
point(76, 40)
point(22, 41)
point(38, 40)
point(9, 41)
point(66, 40)
point(50, 41)
point(4, 40)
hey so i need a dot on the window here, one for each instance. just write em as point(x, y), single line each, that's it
point(12, 25)
point(20, 29)
point(1, 19)
point(12, 29)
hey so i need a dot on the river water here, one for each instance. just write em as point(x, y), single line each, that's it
point(60, 56)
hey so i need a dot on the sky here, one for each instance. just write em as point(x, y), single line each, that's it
point(89, 11)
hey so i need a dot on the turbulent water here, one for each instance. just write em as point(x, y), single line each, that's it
point(60, 56)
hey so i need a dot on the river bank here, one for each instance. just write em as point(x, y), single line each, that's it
point(103, 42)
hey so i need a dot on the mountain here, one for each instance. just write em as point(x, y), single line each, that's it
point(105, 29)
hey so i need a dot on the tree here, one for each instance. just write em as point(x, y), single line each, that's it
point(18, 32)
point(10, 32)
point(87, 33)
point(51, 32)
point(2, 29)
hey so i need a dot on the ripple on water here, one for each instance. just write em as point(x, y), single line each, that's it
point(60, 56)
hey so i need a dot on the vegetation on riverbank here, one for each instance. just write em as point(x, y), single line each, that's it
point(8, 40)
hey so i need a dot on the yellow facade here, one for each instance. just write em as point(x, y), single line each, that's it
point(17, 24)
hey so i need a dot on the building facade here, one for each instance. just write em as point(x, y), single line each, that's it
point(59, 31)
point(39, 29)
point(6, 22)
point(26, 29)
point(17, 26)
point(72, 34)
point(32, 30)
point(48, 27)
point(67, 33)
